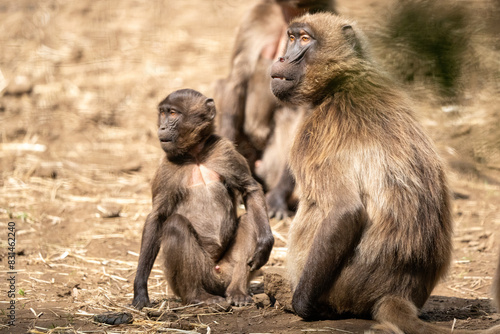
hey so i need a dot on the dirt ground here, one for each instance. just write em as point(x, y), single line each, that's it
point(79, 84)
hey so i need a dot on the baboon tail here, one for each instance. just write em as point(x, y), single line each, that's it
point(400, 316)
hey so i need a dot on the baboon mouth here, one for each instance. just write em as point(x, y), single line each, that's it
point(281, 78)
point(165, 140)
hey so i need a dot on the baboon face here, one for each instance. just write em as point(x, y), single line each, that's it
point(184, 120)
point(287, 73)
point(322, 54)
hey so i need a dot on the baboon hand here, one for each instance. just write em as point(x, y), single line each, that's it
point(277, 206)
point(262, 252)
point(239, 299)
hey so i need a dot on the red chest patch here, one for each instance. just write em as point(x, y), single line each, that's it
point(201, 175)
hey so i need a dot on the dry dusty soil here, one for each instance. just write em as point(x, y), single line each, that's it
point(79, 84)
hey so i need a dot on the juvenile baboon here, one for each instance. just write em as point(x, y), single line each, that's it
point(208, 251)
point(244, 100)
point(372, 234)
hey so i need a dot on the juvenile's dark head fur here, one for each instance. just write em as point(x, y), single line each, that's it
point(185, 119)
point(323, 53)
point(313, 6)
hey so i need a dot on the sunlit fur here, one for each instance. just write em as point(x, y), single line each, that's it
point(362, 154)
point(374, 198)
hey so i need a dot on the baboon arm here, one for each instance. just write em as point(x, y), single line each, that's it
point(238, 177)
point(257, 215)
point(150, 246)
point(334, 241)
point(232, 107)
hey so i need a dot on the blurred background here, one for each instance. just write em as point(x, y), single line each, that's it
point(79, 85)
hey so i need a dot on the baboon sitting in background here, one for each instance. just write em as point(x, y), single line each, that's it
point(248, 111)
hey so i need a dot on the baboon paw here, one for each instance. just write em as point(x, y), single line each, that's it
point(140, 302)
point(239, 299)
point(277, 206)
point(207, 298)
point(215, 300)
point(218, 302)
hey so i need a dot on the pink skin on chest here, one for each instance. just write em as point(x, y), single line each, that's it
point(202, 176)
point(273, 50)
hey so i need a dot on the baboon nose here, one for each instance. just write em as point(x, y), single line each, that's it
point(281, 59)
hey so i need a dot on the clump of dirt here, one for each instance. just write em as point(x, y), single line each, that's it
point(277, 287)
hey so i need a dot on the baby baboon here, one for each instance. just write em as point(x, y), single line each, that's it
point(209, 252)
point(372, 234)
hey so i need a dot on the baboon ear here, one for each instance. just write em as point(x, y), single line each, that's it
point(211, 108)
point(351, 37)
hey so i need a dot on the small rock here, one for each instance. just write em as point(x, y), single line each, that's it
point(20, 85)
point(261, 300)
point(48, 170)
point(450, 109)
point(131, 167)
point(114, 318)
point(109, 210)
point(485, 235)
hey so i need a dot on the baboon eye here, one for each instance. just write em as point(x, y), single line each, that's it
point(291, 38)
point(173, 113)
point(304, 39)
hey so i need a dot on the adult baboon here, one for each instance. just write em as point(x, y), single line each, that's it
point(372, 234)
point(246, 105)
point(208, 251)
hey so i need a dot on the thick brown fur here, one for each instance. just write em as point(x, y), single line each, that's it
point(247, 108)
point(208, 251)
point(372, 234)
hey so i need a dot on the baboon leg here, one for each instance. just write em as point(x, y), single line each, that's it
point(236, 259)
point(189, 270)
point(334, 241)
point(150, 246)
